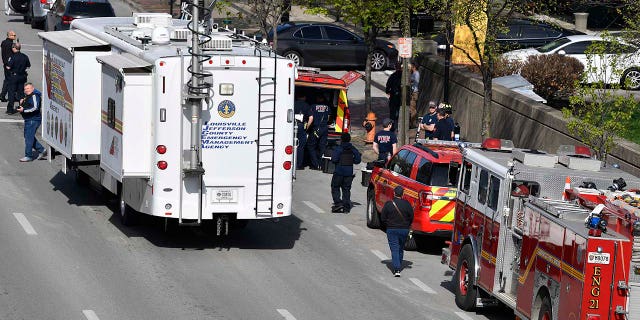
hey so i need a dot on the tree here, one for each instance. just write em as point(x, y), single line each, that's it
point(598, 113)
point(269, 14)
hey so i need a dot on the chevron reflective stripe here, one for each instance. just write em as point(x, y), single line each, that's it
point(342, 107)
point(442, 209)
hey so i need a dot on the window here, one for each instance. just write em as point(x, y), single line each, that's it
point(483, 186)
point(111, 113)
point(577, 48)
point(466, 177)
point(312, 33)
point(409, 159)
point(424, 171)
point(494, 193)
point(397, 162)
point(534, 31)
point(522, 188)
point(334, 33)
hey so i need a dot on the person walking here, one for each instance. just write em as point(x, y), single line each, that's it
point(344, 156)
point(304, 119)
point(397, 216)
point(385, 142)
point(6, 53)
point(30, 109)
point(17, 65)
point(317, 142)
point(393, 90)
point(429, 121)
point(415, 85)
point(444, 131)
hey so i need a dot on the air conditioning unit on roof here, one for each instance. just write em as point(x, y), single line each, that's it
point(181, 34)
point(218, 43)
point(152, 20)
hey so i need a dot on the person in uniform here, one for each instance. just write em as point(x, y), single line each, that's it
point(317, 142)
point(443, 131)
point(393, 90)
point(429, 121)
point(6, 46)
point(17, 65)
point(397, 216)
point(385, 142)
point(304, 119)
point(344, 156)
point(30, 109)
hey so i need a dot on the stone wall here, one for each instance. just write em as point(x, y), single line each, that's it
point(528, 123)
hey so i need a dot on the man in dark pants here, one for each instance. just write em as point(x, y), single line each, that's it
point(397, 216)
point(30, 109)
point(443, 131)
point(385, 142)
point(304, 119)
point(17, 66)
point(317, 142)
point(344, 156)
point(393, 91)
point(6, 53)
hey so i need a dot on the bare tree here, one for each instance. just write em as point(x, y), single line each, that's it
point(269, 14)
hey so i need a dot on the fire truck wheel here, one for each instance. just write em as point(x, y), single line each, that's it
point(464, 278)
point(373, 219)
point(545, 309)
point(295, 57)
point(127, 214)
point(411, 244)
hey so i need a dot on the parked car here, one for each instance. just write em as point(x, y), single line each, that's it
point(36, 13)
point(15, 7)
point(328, 45)
point(521, 33)
point(64, 11)
point(625, 56)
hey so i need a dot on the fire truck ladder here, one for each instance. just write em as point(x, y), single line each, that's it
point(265, 141)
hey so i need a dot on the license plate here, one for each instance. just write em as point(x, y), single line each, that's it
point(224, 195)
point(598, 258)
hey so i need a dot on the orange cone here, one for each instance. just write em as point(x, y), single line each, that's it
point(567, 186)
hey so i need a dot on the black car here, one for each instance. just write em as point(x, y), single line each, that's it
point(522, 33)
point(64, 11)
point(328, 45)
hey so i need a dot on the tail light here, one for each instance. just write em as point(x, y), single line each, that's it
point(162, 165)
point(426, 198)
point(593, 317)
point(43, 2)
point(287, 165)
point(288, 150)
point(67, 19)
point(161, 149)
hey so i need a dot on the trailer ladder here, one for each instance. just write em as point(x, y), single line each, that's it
point(265, 141)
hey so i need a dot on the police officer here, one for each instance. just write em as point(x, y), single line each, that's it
point(344, 156)
point(6, 53)
point(385, 142)
point(317, 142)
point(17, 65)
point(304, 119)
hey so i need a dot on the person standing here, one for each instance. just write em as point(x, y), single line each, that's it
point(304, 119)
point(415, 85)
point(397, 216)
point(317, 142)
point(30, 109)
point(385, 142)
point(429, 121)
point(394, 93)
point(344, 156)
point(17, 65)
point(6, 53)
point(444, 131)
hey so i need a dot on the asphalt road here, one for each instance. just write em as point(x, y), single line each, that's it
point(64, 254)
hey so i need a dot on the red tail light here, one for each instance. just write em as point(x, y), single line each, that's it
point(43, 1)
point(426, 198)
point(161, 149)
point(288, 149)
point(162, 165)
point(67, 19)
point(287, 165)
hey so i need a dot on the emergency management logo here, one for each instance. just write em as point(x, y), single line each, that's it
point(226, 109)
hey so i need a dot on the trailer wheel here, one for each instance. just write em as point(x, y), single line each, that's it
point(373, 219)
point(127, 214)
point(411, 243)
point(464, 278)
point(545, 309)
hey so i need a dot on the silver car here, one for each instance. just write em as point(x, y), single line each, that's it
point(37, 12)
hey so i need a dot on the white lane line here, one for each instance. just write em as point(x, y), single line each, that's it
point(90, 315)
point(463, 315)
point(313, 206)
point(31, 50)
point(422, 285)
point(25, 223)
point(380, 255)
point(286, 314)
point(11, 120)
point(345, 230)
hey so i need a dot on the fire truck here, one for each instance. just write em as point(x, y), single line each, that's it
point(516, 241)
point(180, 119)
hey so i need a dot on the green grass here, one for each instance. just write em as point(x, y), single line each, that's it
point(633, 134)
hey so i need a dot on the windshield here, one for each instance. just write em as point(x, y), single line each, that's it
point(553, 45)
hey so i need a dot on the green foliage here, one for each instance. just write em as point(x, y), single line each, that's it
point(553, 76)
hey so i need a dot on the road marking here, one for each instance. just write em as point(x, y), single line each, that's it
point(286, 314)
point(313, 206)
point(31, 45)
point(380, 255)
point(31, 50)
point(90, 315)
point(345, 230)
point(11, 120)
point(463, 315)
point(25, 223)
point(422, 286)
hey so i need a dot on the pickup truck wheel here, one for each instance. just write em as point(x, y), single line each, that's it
point(411, 244)
point(373, 219)
point(463, 280)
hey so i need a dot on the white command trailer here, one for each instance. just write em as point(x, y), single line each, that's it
point(122, 107)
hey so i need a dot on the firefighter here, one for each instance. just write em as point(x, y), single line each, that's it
point(317, 142)
point(385, 143)
point(393, 91)
point(443, 131)
point(397, 216)
point(344, 156)
point(304, 119)
point(17, 66)
point(429, 121)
